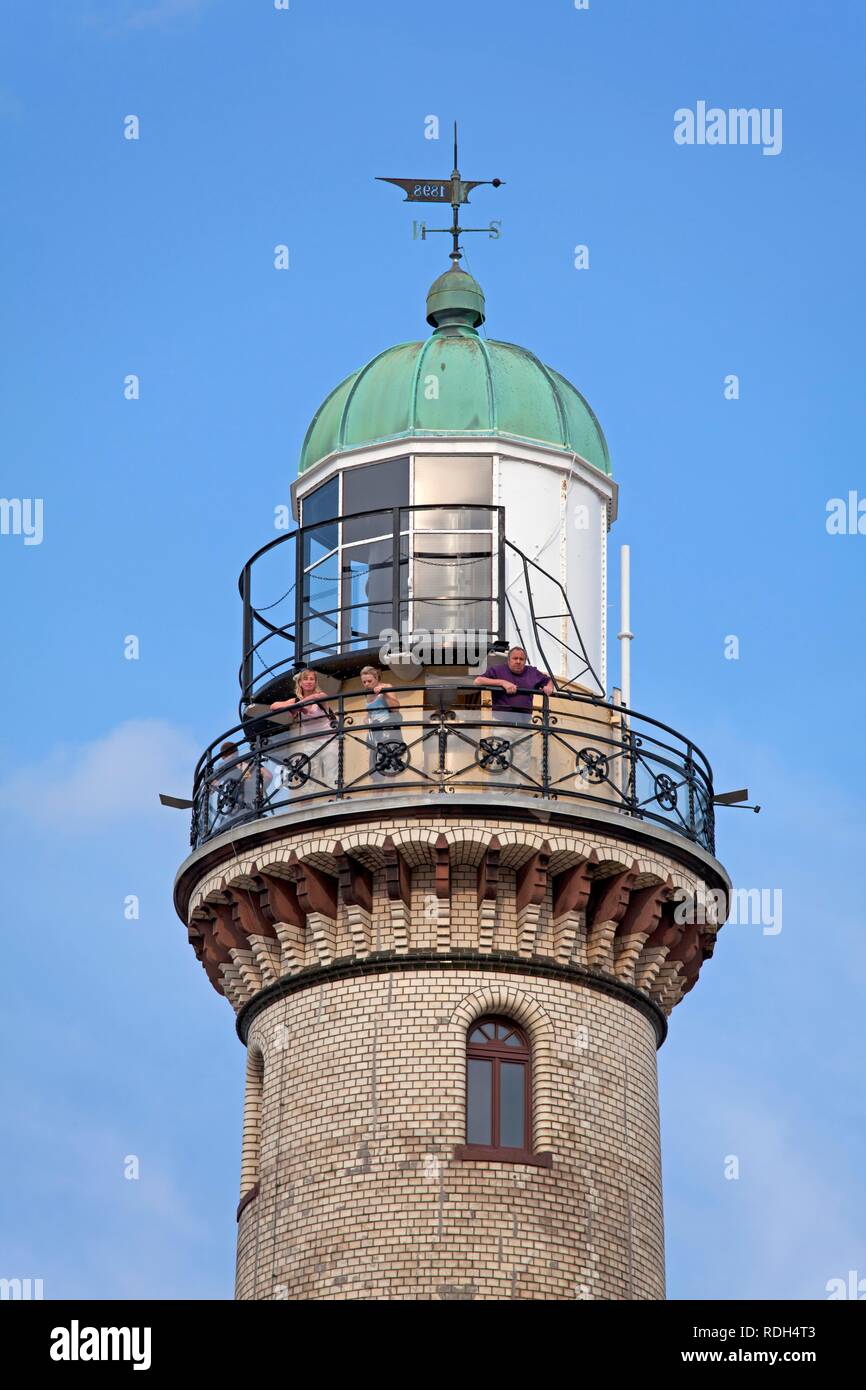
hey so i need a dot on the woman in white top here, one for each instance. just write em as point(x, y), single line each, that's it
point(317, 722)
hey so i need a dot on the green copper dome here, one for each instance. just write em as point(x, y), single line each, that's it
point(455, 382)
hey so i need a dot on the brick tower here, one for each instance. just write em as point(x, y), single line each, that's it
point(452, 919)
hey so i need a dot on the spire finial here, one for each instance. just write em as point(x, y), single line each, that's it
point(455, 302)
point(454, 191)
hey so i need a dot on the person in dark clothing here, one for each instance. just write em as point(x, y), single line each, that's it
point(513, 683)
point(233, 786)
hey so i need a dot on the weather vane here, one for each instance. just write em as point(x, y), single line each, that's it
point(454, 191)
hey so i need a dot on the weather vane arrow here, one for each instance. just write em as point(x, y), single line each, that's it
point(454, 191)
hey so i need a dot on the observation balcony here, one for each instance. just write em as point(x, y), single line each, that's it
point(445, 738)
point(349, 587)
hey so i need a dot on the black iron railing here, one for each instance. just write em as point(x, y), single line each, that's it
point(335, 588)
point(442, 739)
point(326, 592)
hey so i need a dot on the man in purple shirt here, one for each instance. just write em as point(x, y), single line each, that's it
point(513, 683)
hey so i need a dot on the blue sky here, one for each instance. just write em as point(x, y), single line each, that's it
point(155, 257)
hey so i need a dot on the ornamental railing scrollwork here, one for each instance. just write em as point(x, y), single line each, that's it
point(571, 747)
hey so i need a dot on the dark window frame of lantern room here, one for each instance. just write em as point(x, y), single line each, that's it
point(491, 1153)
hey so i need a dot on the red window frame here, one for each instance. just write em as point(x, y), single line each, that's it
point(497, 1051)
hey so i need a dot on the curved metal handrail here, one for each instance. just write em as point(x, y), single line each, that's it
point(565, 748)
point(397, 522)
point(537, 628)
point(499, 598)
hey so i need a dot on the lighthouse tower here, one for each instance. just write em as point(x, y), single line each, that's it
point(452, 922)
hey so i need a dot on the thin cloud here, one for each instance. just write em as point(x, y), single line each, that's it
point(789, 1222)
point(116, 777)
point(164, 13)
point(10, 107)
point(161, 15)
point(98, 1234)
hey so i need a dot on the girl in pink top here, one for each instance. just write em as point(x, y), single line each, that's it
point(316, 720)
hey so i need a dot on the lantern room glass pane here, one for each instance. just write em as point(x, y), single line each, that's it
point(454, 519)
point(452, 582)
point(453, 493)
point(317, 544)
point(368, 526)
point(320, 594)
point(479, 1107)
point(322, 503)
point(464, 479)
point(369, 488)
point(367, 589)
point(319, 506)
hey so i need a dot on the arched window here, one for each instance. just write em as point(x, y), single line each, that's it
point(498, 1090)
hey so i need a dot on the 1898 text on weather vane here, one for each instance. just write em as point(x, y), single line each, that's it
point(454, 191)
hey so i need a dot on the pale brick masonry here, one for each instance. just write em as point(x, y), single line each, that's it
point(357, 956)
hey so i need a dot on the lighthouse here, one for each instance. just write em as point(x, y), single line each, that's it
point(450, 884)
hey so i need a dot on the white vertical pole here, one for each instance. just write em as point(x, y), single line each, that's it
point(625, 634)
